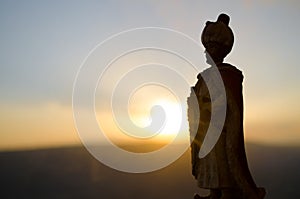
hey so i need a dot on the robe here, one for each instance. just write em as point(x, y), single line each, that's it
point(226, 165)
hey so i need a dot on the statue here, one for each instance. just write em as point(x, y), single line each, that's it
point(224, 171)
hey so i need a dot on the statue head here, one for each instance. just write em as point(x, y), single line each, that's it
point(217, 38)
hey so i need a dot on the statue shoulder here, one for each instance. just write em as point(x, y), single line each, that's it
point(230, 71)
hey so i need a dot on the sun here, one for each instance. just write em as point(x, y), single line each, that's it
point(173, 117)
point(157, 124)
point(173, 113)
point(174, 121)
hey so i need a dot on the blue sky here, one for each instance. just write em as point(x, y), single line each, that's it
point(43, 44)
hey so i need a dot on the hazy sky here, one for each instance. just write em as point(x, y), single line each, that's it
point(43, 44)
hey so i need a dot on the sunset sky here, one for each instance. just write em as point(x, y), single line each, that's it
point(44, 43)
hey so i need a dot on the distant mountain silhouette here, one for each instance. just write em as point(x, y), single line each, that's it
point(74, 173)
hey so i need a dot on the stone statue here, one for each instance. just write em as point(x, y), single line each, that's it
point(224, 171)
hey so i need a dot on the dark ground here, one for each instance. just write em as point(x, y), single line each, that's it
point(74, 173)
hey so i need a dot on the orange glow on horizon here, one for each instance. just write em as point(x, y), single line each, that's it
point(52, 125)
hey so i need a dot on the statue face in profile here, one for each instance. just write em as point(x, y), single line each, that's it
point(214, 54)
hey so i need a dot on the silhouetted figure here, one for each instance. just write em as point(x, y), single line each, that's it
point(225, 169)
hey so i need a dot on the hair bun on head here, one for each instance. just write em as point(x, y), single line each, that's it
point(224, 18)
